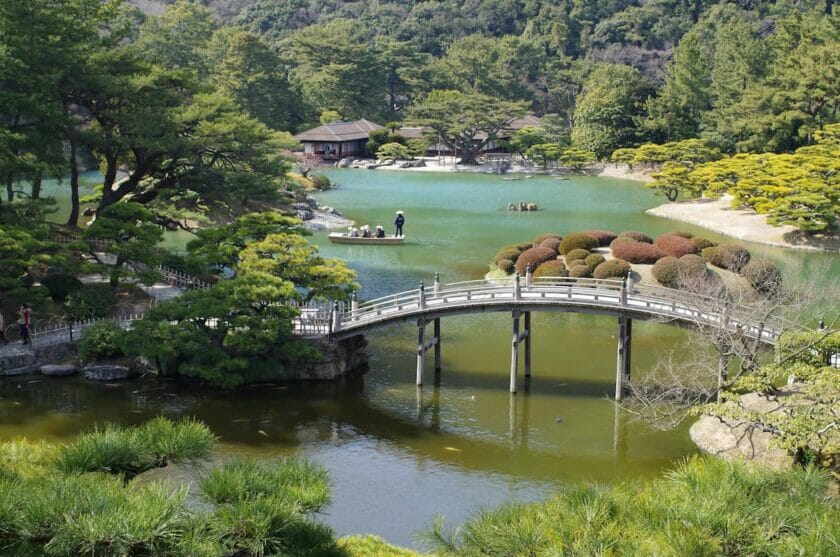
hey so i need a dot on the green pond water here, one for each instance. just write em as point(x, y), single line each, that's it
point(397, 455)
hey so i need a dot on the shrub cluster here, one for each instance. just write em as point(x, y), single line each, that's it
point(702, 243)
point(674, 245)
point(667, 271)
point(90, 301)
point(637, 236)
point(534, 257)
point(506, 266)
point(100, 342)
point(578, 240)
point(727, 256)
point(604, 237)
point(554, 268)
point(507, 252)
point(576, 254)
point(593, 260)
point(614, 268)
point(550, 243)
point(542, 237)
point(581, 270)
point(60, 285)
point(637, 252)
point(762, 275)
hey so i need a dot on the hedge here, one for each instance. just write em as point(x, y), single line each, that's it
point(727, 256)
point(506, 266)
point(507, 253)
point(675, 246)
point(604, 237)
point(614, 268)
point(638, 252)
point(667, 271)
point(702, 243)
point(522, 246)
point(762, 275)
point(534, 257)
point(577, 254)
point(580, 271)
point(578, 240)
point(554, 268)
point(636, 235)
point(550, 243)
point(594, 260)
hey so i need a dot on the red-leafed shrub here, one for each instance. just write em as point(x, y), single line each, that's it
point(675, 246)
point(542, 237)
point(702, 243)
point(727, 256)
point(614, 268)
point(550, 243)
point(534, 257)
point(636, 235)
point(507, 253)
point(621, 241)
point(604, 237)
point(506, 266)
point(594, 260)
point(553, 268)
point(580, 271)
point(667, 271)
point(763, 276)
point(683, 234)
point(578, 240)
point(576, 254)
point(638, 252)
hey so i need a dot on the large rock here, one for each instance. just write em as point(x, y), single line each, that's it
point(338, 359)
point(107, 372)
point(59, 370)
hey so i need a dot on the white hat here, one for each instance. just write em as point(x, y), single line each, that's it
point(399, 212)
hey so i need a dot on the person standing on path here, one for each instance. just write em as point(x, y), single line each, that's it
point(398, 222)
point(24, 315)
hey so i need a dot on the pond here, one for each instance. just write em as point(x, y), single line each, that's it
point(397, 455)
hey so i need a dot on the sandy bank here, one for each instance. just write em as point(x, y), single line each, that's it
point(624, 172)
point(720, 216)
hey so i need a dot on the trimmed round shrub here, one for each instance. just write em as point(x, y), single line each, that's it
point(594, 260)
point(506, 266)
point(614, 268)
point(61, 285)
point(683, 234)
point(727, 256)
point(575, 262)
point(534, 257)
point(578, 240)
point(580, 271)
point(522, 246)
point(542, 237)
point(702, 243)
point(604, 237)
point(636, 235)
point(550, 243)
point(577, 254)
point(638, 252)
point(692, 265)
point(511, 254)
point(667, 271)
point(101, 341)
point(675, 246)
point(554, 268)
point(762, 275)
point(618, 241)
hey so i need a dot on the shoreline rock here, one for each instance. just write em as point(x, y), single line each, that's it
point(108, 372)
point(59, 370)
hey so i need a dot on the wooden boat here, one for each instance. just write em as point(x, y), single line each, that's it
point(345, 238)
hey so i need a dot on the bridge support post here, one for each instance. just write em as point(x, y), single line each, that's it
point(628, 346)
point(421, 349)
point(529, 277)
point(437, 283)
point(437, 347)
point(514, 353)
point(354, 306)
point(622, 361)
point(527, 344)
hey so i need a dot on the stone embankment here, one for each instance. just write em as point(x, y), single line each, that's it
point(320, 218)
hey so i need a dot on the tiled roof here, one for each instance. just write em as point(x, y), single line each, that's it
point(340, 131)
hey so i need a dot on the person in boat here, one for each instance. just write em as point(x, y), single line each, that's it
point(380, 232)
point(353, 232)
point(398, 223)
point(366, 231)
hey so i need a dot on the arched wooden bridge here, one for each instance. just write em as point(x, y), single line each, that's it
point(621, 298)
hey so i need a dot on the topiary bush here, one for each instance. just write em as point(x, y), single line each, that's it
point(61, 285)
point(618, 241)
point(693, 266)
point(554, 268)
point(614, 268)
point(542, 237)
point(509, 253)
point(636, 235)
point(580, 271)
point(675, 246)
point(90, 301)
point(702, 243)
point(534, 257)
point(604, 237)
point(522, 246)
point(593, 260)
point(667, 271)
point(763, 276)
point(578, 240)
point(727, 256)
point(576, 254)
point(101, 341)
point(506, 266)
point(550, 243)
point(637, 252)
point(683, 234)
point(575, 262)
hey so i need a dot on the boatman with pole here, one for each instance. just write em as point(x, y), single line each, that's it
point(398, 222)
